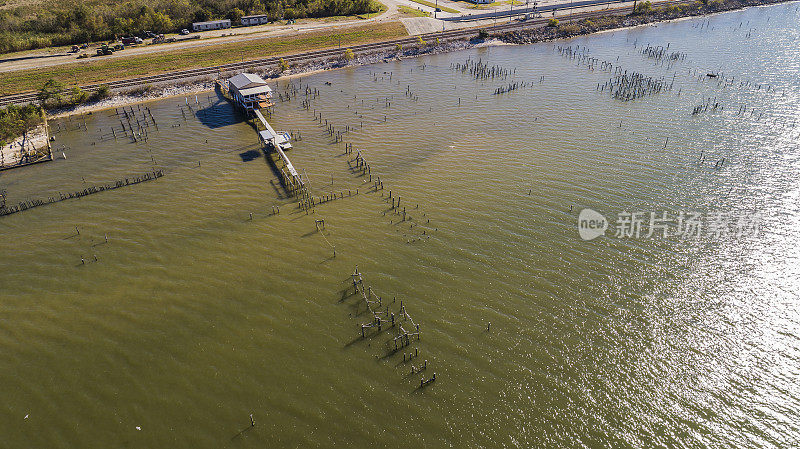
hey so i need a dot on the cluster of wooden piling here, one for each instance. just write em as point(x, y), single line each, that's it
point(481, 70)
point(510, 88)
point(630, 86)
point(709, 103)
point(358, 165)
point(384, 318)
point(310, 94)
point(623, 86)
point(662, 54)
point(717, 165)
point(408, 93)
point(138, 122)
point(29, 204)
point(308, 201)
point(581, 56)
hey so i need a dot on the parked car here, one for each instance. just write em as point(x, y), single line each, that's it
point(184, 31)
point(74, 49)
point(438, 10)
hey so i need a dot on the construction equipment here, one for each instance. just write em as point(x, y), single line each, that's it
point(105, 50)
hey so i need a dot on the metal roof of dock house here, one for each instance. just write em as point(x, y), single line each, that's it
point(250, 90)
point(247, 81)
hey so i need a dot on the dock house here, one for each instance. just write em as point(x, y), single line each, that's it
point(249, 91)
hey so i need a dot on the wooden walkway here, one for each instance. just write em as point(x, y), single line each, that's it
point(291, 178)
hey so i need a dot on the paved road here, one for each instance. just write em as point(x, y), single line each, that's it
point(524, 10)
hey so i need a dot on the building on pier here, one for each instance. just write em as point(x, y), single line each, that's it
point(249, 91)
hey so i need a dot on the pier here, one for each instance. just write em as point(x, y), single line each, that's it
point(251, 93)
point(292, 180)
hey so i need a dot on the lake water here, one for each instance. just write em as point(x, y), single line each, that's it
point(192, 316)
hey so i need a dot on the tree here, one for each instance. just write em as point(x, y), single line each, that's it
point(236, 15)
point(348, 55)
point(51, 90)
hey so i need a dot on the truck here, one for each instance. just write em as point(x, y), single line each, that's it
point(132, 40)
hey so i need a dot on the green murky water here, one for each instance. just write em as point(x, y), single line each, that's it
point(195, 316)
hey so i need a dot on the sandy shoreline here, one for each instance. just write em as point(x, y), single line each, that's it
point(33, 145)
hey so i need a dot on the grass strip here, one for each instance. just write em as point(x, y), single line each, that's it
point(433, 5)
point(104, 70)
point(412, 11)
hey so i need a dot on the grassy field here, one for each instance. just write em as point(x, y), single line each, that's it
point(103, 70)
point(433, 5)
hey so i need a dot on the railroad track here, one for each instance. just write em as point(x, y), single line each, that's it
point(28, 97)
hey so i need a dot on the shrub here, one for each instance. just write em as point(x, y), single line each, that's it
point(348, 55)
point(77, 96)
point(398, 47)
point(552, 22)
point(570, 28)
point(643, 7)
point(140, 91)
point(483, 34)
point(283, 65)
point(102, 92)
point(421, 42)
